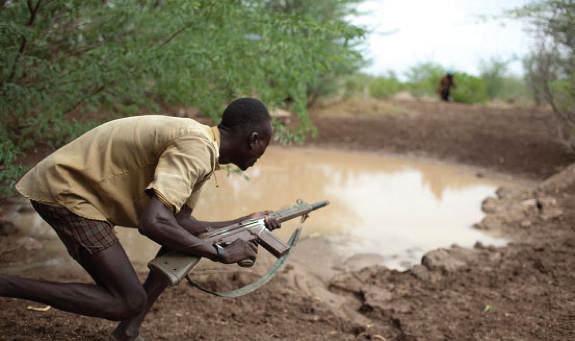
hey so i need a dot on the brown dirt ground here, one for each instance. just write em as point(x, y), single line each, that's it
point(523, 291)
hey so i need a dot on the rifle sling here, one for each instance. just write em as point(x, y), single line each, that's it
point(273, 270)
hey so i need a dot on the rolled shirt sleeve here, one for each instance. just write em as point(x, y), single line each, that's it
point(182, 169)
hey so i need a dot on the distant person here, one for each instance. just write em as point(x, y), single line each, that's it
point(445, 84)
point(143, 172)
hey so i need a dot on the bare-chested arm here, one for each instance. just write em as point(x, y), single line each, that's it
point(161, 225)
point(195, 227)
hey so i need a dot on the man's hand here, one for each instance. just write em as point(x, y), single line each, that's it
point(240, 250)
point(271, 223)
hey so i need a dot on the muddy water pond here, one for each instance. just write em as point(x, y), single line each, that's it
point(391, 208)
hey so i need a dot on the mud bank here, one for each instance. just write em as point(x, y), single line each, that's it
point(523, 291)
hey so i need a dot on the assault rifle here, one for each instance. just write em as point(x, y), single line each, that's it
point(176, 265)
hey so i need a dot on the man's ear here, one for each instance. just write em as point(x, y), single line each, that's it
point(253, 139)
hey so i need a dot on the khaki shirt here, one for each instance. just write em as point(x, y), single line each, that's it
point(108, 173)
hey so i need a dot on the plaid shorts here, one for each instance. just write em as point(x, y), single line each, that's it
point(76, 231)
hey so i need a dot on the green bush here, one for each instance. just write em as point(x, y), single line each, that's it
point(515, 90)
point(563, 91)
point(493, 72)
point(384, 87)
point(355, 84)
point(423, 79)
point(469, 89)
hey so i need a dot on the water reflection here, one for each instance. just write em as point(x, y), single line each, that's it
point(402, 212)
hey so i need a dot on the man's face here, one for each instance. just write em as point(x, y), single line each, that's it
point(248, 154)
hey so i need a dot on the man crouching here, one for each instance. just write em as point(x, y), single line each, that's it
point(144, 172)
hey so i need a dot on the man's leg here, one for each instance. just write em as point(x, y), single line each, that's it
point(128, 329)
point(117, 296)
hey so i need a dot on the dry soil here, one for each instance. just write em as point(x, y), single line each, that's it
point(522, 291)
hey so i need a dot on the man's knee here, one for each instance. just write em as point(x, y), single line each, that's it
point(130, 305)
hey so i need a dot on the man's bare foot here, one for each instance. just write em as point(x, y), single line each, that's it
point(117, 336)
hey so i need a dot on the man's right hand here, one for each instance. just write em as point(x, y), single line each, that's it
point(239, 250)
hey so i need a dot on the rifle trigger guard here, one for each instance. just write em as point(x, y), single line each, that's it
point(304, 218)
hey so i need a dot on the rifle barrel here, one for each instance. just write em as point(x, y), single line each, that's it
point(297, 210)
point(319, 204)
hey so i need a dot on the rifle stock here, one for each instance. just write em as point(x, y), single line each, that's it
point(174, 266)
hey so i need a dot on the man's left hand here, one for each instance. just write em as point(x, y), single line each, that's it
point(271, 223)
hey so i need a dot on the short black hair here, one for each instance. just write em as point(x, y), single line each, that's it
point(245, 115)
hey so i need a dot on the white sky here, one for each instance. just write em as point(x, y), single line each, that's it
point(447, 32)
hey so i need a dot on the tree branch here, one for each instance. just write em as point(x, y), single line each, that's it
point(77, 51)
point(83, 99)
point(188, 25)
point(33, 10)
point(175, 34)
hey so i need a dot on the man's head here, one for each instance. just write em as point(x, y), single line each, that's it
point(245, 131)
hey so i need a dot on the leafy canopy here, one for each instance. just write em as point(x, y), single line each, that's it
point(62, 60)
